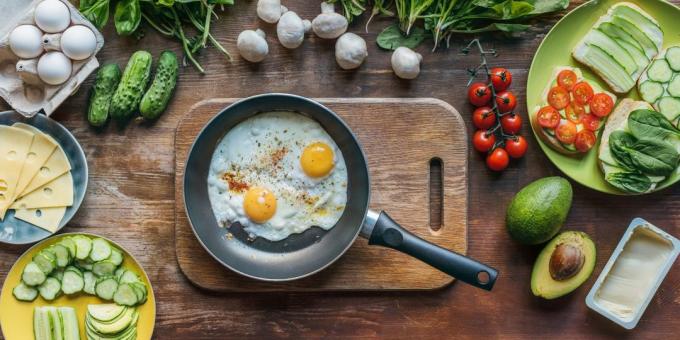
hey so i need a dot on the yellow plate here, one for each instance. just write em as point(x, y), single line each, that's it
point(16, 317)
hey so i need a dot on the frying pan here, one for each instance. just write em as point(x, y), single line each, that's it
point(304, 254)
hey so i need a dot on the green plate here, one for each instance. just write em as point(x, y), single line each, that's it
point(555, 50)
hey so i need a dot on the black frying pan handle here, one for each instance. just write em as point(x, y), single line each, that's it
point(389, 234)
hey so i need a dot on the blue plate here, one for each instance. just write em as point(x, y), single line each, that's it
point(14, 231)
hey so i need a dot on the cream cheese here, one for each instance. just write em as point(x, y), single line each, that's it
point(635, 273)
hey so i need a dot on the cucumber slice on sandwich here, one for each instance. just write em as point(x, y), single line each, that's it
point(673, 58)
point(660, 71)
point(651, 91)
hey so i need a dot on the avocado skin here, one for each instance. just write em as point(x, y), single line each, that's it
point(539, 210)
point(542, 284)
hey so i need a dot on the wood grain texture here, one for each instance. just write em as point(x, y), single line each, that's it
point(131, 200)
point(399, 137)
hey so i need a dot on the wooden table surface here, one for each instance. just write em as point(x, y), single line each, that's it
point(130, 199)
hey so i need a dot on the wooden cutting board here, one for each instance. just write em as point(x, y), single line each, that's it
point(417, 155)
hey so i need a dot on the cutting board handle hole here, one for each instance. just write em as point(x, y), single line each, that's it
point(436, 194)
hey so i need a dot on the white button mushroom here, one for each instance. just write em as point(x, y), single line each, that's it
point(25, 41)
point(350, 51)
point(78, 42)
point(270, 10)
point(54, 68)
point(52, 16)
point(252, 45)
point(291, 29)
point(406, 63)
point(329, 24)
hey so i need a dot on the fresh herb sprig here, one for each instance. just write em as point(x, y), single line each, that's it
point(351, 8)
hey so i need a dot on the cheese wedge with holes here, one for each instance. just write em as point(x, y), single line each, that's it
point(45, 218)
point(55, 166)
point(42, 148)
point(58, 193)
point(14, 146)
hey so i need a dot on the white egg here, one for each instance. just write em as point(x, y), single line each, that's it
point(265, 152)
point(78, 42)
point(54, 68)
point(52, 16)
point(26, 41)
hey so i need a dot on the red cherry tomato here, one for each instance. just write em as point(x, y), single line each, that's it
point(585, 139)
point(483, 118)
point(506, 101)
point(483, 141)
point(497, 160)
point(511, 123)
point(558, 97)
point(500, 78)
point(566, 132)
point(591, 122)
point(548, 117)
point(583, 92)
point(566, 79)
point(601, 105)
point(575, 112)
point(516, 147)
point(479, 94)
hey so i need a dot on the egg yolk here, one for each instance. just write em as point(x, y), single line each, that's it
point(259, 204)
point(317, 160)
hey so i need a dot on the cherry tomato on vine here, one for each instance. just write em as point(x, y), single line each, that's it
point(498, 159)
point(479, 94)
point(483, 118)
point(506, 101)
point(566, 132)
point(584, 141)
point(567, 79)
point(559, 97)
point(601, 105)
point(511, 123)
point(548, 117)
point(575, 112)
point(516, 147)
point(591, 122)
point(583, 92)
point(501, 78)
point(483, 141)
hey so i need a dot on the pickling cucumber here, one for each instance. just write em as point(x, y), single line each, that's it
point(674, 86)
point(125, 100)
point(651, 91)
point(660, 71)
point(669, 107)
point(159, 93)
point(673, 58)
point(105, 86)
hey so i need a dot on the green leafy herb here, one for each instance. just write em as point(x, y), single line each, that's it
point(650, 124)
point(630, 182)
point(97, 11)
point(392, 37)
point(351, 8)
point(127, 17)
point(648, 156)
point(380, 7)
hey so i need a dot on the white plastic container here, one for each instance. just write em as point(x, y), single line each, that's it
point(633, 273)
point(30, 96)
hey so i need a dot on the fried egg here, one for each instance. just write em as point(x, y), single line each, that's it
point(277, 174)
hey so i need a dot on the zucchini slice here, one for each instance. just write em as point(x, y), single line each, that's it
point(669, 107)
point(674, 86)
point(24, 293)
point(50, 289)
point(651, 91)
point(673, 58)
point(106, 287)
point(660, 71)
point(33, 275)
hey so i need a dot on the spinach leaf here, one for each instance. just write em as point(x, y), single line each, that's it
point(497, 26)
point(619, 142)
point(629, 182)
point(547, 6)
point(127, 17)
point(648, 124)
point(648, 156)
point(392, 37)
point(96, 11)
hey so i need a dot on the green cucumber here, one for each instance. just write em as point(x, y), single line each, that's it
point(125, 100)
point(609, 68)
point(159, 93)
point(116, 256)
point(669, 107)
point(642, 22)
point(103, 268)
point(33, 275)
point(106, 287)
point(42, 327)
point(617, 32)
point(647, 44)
point(83, 246)
point(660, 71)
point(125, 295)
point(674, 86)
point(69, 323)
point(673, 57)
point(104, 87)
point(23, 292)
point(63, 255)
point(72, 282)
point(634, 50)
point(46, 260)
point(90, 282)
point(68, 243)
point(613, 49)
point(101, 250)
point(50, 289)
point(651, 91)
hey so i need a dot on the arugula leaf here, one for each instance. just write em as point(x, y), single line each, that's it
point(392, 37)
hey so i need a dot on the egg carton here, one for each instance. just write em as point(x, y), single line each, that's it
point(29, 95)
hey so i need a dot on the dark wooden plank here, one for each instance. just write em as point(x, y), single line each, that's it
point(130, 199)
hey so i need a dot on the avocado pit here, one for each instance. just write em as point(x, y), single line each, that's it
point(566, 261)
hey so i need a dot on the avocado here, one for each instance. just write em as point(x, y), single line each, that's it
point(538, 211)
point(563, 265)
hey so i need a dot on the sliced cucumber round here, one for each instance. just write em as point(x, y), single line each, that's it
point(125, 295)
point(106, 287)
point(660, 71)
point(63, 255)
point(673, 58)
point(46, 261)
point(33, 275)
point(101, 250)
point(50, 289)
point(651, 91)
point(24, 293)
point(674, 86)
point(72, 282)
point(104, 268)
point(83, 246)
point(90, 282)
point(669, 107)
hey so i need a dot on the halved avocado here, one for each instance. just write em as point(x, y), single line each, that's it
point(563, 265)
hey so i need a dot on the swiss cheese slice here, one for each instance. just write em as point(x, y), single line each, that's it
point(42, 148)
point(14, 146)
point(55, 166)
point(58, 193)
point(45, 218)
